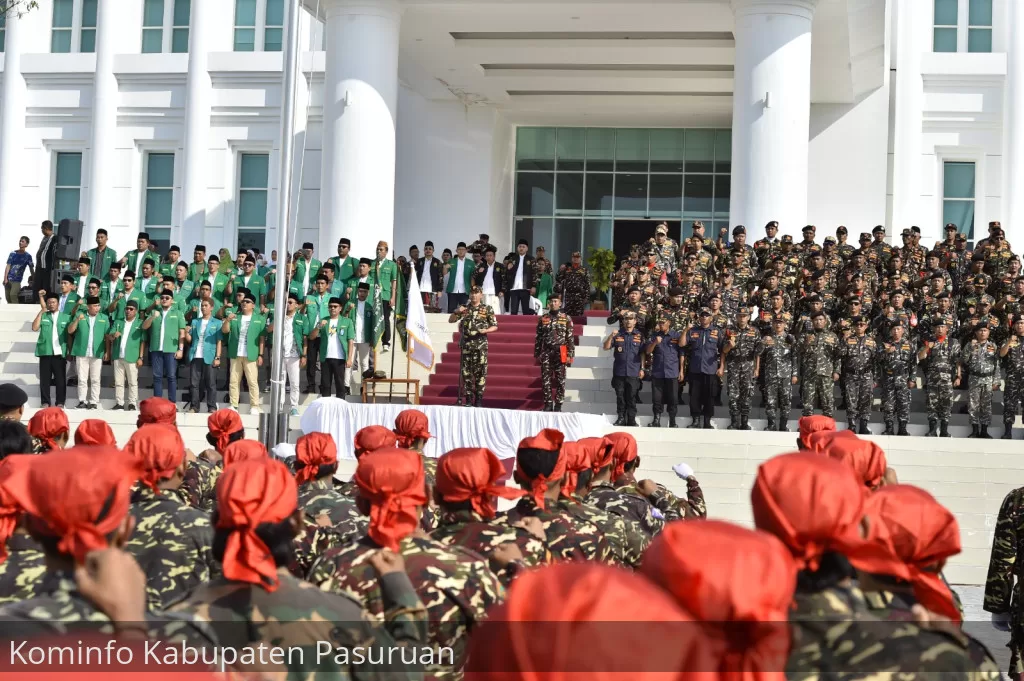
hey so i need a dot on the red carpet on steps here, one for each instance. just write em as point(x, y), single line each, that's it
point(513, 375)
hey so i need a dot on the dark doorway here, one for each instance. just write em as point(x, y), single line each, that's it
point(629, 232)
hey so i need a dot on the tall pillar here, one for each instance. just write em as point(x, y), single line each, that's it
point(771, 114)
point(12, 124)
point(913, 31)
point(104, 129)
point(357, 191)
point(1013, 127)
point(197, 130)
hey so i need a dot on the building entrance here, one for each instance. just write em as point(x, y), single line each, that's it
point(638, 232)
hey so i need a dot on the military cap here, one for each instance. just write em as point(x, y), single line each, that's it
point(841, 229)
point(691, 254)
point(662, 319)
point(634, 247)
point(899, 291)
point(960, 237)
point(995, 223)
point(698, 224)
point(830, 240)
point(743, 310)
point(787, 238)
point(819, 313)
point(934, 254)
point(818, 274)
point(859, 319)
point(853, 298)
point(777, 293)
point(651, 250)
point(942, 295)
point(813, 298)
point(715, 294)
point(979, 280)
point(68, 278)
point(739, 229)
point(950, 227)
point(808, 228)
point(335, 300)
point(363, 286)
point(633, 289)
point(905, 232)
point(980, 325)
point(483, 237)
point(475, 289)
point(626, 314)
point(92, 300)
point(675, 291)
point(772, 223)
point(1016, 319)
point(705, 311)
point(877, 229)
point(661, 229)
point(915, 229)
point(865, 235)
point(987, 300)
point(11, 396)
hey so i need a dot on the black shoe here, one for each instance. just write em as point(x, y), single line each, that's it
point(974, 430)
point(638, 401)
point(772, 427)
point(93, 406)
point(656, 423)
point(672, 422)
point(745, 424)
point(73, 381)
point(888, 430)
point(864, 429)
point(933, 424)
point(621, 421)
point(631, 422)
point(130, 407)
point(227, 397)
point(1007, 432)
point(783, 428)
point(903, 429)
point(81, 405)
point(983, 434)
point(732, 425)
point(944, 429)
point(695, 423)
point(118, 407)
point(558, 407)
point(547, 407)
point(707, 424)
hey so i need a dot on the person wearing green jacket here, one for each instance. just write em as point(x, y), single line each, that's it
point(170, 262)
point(133, 260)
point(317, 308)
point(246, 340)
point(51, 346)
point(198, 270)
point(337, 340)
point(205, 337)
point(195, 305)
point(306, 266)
point(250, 280)
point(126, 345)
point(166, 326)
point(362, 276)
point(293, 347)
point(183, 286)
point(111, 286)
point(385, 279)
point(83, 277)
point(460, 276)
point(149, 285)
point(67, 298)
point(359, 311)
point(218, 280)
point(90, 330)
point(345, 265)
point(101, 257)
point(116, 309)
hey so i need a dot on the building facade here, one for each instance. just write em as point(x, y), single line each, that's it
point(571, 124)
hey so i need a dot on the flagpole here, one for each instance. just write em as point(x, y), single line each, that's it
point(277, 373)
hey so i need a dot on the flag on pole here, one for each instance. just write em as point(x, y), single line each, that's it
point(420, 349)
point(378, 309)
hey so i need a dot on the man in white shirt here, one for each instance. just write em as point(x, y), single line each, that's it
point(292, 361)
point(336, 349)
point(360, 313)
point(488, 276)
point(84, 265)
point(126, 372)
point(88, 352)
point(520, 279)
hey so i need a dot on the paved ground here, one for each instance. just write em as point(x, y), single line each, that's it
point(978, 623)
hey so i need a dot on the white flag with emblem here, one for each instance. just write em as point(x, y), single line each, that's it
point(420, 350)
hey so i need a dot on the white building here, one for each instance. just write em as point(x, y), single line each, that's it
point(571, 123)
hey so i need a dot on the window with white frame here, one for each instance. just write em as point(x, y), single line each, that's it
point(962, 26)
point(254, 176)
point(159, 209)
point(958, 196)
point(259, 25)
point(165, 25)
point(67, 186)
point(73, 26)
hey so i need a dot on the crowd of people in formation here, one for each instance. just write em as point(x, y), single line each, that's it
point(238, 547)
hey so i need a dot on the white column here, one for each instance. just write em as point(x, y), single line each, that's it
point(197, 130)
point(12, 125)
point(912, 34)
point(104, 128)
point(357, 195)
point(1013, 127)
point(771, 114)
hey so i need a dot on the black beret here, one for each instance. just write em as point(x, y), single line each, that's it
point(858, 319)
point(363, 286)
point(942, 295)
point(11, 396)
point(84, 261)
point(344, 242)
point(773, 223)
point(633, 289)
point(808, 228)
point(92, 300)
point(484, 236)
point(915, 229)
point(813, 298)
point(335, 301)
point(877, 229)
point(307, 245)
point(739, 229)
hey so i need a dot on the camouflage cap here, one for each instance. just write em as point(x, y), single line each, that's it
point(979, 280)
point(476, 289)
point(865, 236)
point(830, 240)
point(906, 232)
point(841, 229)
point(950, 227)
point(987, 300)
point(787, 238)
point(960, 236)
point(705, 311)
point(743, 311)
point(994, 223)
point(633, 289)
point(661, 229)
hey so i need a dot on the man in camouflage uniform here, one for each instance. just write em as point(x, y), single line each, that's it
point(980, 357)
point(667, 249)
point(940, 355)
point(475, 322)
point(817, 367)
point(777, 355)
point(316, 463)
point(680, 317)
point(541, 266)
point(898, 364)
point(573, 281)
point(554, 347)
point(1004, 586)
point(768, 247)
point(742, 363)
point(1012, 353)
point(632, 304)
point(857, 354)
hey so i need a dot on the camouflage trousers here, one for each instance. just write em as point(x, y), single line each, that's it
point(896, 398)
point(740, 383)
point(574, 303)
point(474, 372)
point(552, 375)
point(820, 387)
point(1013, 397)
point(859, 387)
point(940, 396)
point(778, 397)
point(979, 399)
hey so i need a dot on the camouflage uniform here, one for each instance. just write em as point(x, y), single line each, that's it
point(24, 567)
point(173, 544)
point(739, 363)
point(766, 249)
point(456, 586)
point(1013, 393)
point(567, 537)
point(897, 365)
point(667, 503)
point(319, 498)
point(555, 330)
point(680, 318)
point(777, 372)
point(299, 615)
point(469, 530)
point(638, 309)
point(1004, 587)
point(817, 358)
point(574, 284)
point(626, 538)
point(939, 370)
point(606, 497)
point(980, 359)
point(474, 352)
point(198, 488)
point(858, 374)
point(667, 253)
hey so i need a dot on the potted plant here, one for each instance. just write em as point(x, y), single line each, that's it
point(602, 266)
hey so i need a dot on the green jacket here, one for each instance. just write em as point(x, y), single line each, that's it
point(133, 349)
point(316, 308)
point(467, 274)
point(106, 296)
point(300, 329)
point(138, 296)
point(257, 327)
point(344, 332)
point(300, 271)
point(351, 312)
point(256, 284)
point(44, 344)
point(195, 311)
point(352, 289)
point(385, 274)
point(149, 288)
point(197, 272)
point(171, 328)
point(101, 262)
point(343, 271)
point(213, 334)
point(133, 263)
point(83, 289)
point(167, 269)
point(69, 304)
point(183, 294)
point(220, 282)
point(101, 327)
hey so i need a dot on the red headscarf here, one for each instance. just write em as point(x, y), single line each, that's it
point(923, 534)
point(159, 449)
point(579, 457)
point(624, 450)
point(628, 628)
point(740, 584)
point(820, 441)
point(244, 450)
point(547, 440)
point(312, 451)
point(864, 456)
point(472, 474)
point(157, 410)
point(46, 424)
point(815, 505)
point(9, 507)
point(411, 425)
point(94, 432)
point(814, 424)
point(222, 424)
point(250, 493)
point(372, 438)
point(393, 482)
point(604, 455)
point(79, 495)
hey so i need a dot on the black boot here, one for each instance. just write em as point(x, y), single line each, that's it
point(558, 407)
point(863, 428)
point(547, 407)
point(943, 428)
point(745, 423)
point(672, 422)
point(903, 429)
point(983, 434)
point(974, 430)
point(888, 429)
point(932, 425)
point(656, 423)
point(707, 424)
point(631, 420)
point(1007, 431)
point(772, 426)
point(695, 423)
point(621, 421)
point(733, 425)
point(783, 428)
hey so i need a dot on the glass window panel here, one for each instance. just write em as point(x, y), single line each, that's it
point(161, 236)
point(979, 40)
point(88, 42)
point(700, 151)
point(245, 40)
point(632, 150)
point(255, 171)
point(946, 12)
point(152, 40)
point(536, 231)
point(179, 40)
point(65, 204)
point(63, 13)
point(945, 40)
point(182, 12)
point(723, 185)
point(697, 193)
point(89, 13)
point(535, 149)
point(535, 194)
point(275, 12)
point(567, 239)
point(961, 214)
point(666, 196)
point(569, 194)
point(153, 13)
point(159, 203)
point(630, 195)
point(60, 42)
point(160, 170)
point(571, 148)
point(69, 170)
point(600, 149)
point(272, 40)
point(600, 194)
point(245, 12)
point(3, 36)
point(252, 238)
point(252, 208)
point(596, 234)
point(666, 151)
point(723, 151)
point(979, 13)
point(958, 180)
